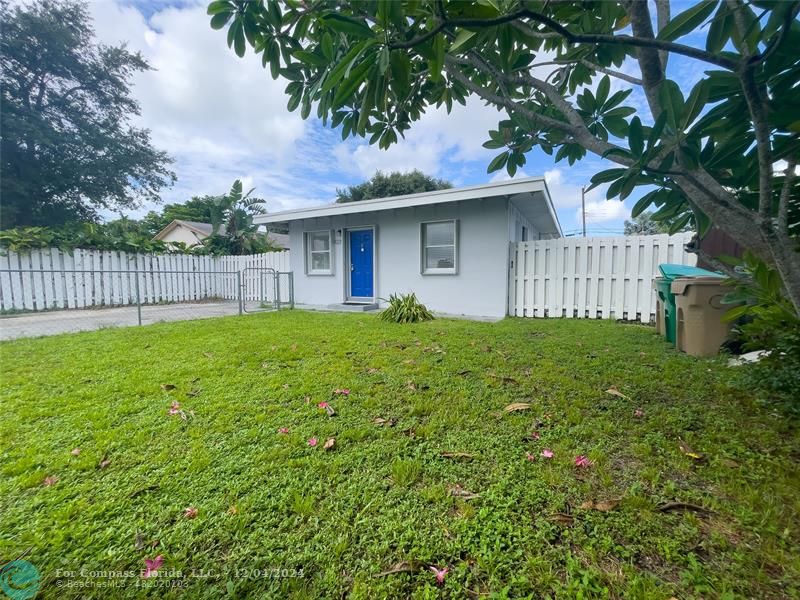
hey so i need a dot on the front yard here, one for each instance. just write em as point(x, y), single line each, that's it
point(97, 475)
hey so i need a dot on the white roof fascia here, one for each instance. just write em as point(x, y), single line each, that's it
point(502, 188)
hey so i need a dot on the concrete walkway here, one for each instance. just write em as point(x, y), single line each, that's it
point(68, 321)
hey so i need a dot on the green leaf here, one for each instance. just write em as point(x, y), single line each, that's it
point(628, 183)
point(736, 312)
point(238, 39)
point(348, 87)
point(494, 144)
point(463, 36)
point(614, 188)
point(400, 66)
point(680, 223)
point(274, 14)
point(687, 21)
point(511, 166)
point(336, 74)
point(622, 111)
point(219, 20)
point(602, 90)
point(636, 137)
point(720, 30)
point(384, 59)
point(437, 61)
point(642, 203)
point(672, 101)
point(655, 131)
point(310, 58)
point(219, 6)
point(347, 25)
point(617, 98)
point(606, 176)
point(366, 104)
point(701, 221)
point(497, 163)
point(294, 101)
point(327, 46)
point(616, 126)
point(695, 103)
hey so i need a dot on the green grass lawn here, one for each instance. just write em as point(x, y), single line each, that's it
point(279, 518)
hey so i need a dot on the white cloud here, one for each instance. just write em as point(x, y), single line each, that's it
point(503, 175)
point(435, 137)
point(219, 116)
point(565, 193)
point(602, 211)
point(223, 118)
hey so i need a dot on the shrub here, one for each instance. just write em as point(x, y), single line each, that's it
point(405, 308)
point(767, 321)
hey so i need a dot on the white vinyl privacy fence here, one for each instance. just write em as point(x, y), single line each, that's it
point(50, 279)
point(591, 278)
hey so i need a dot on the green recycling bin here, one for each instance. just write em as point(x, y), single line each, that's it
point(661, 287)
point(667, 324)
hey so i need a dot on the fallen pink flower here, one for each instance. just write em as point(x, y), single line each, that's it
point(638, 412)
point(283, 430)
point(75, 451)
point(175, 408)
point(153, 565)
point(323, 405)
point(190, 512)
point(582, 461)
point(440, 574)
point(530, 457)
point(312, 442)
point(50, 480)
point(343, 392)
point(535, 435)
point(547, 453)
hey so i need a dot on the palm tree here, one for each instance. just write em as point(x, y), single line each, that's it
point(233, 230)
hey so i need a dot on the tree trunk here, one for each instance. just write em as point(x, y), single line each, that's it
point(787, 262)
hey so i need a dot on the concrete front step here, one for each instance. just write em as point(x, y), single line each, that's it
point(354, 307)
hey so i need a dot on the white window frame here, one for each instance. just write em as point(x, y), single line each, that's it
point(424, 270)
point(308, 252)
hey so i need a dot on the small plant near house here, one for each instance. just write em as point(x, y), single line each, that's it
point(405, 308)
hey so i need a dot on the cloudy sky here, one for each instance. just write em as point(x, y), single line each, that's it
point(223, 118)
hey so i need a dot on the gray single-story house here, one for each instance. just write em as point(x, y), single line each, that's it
point(451, 247)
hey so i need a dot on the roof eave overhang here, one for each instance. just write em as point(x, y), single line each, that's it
point(500, 189)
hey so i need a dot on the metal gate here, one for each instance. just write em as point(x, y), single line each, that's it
point(264, 289)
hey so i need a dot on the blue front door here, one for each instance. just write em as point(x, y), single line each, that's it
point(361, 263)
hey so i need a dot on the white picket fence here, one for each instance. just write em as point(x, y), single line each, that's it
point(49, 279)
point(591, 278)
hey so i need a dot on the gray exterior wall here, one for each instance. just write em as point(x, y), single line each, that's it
point(516, 221)
point(478, 289)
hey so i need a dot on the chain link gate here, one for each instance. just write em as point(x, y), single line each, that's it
point(265, 289)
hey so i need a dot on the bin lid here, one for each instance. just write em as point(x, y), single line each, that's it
point(671, 271)
point(680, 285)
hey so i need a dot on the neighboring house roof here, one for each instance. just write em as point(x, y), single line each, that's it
point(203, 230)
point(279, 240)
point(530, 196)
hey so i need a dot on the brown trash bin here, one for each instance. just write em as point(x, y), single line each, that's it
point(700, 328)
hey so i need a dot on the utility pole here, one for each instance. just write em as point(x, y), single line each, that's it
point(583, 209)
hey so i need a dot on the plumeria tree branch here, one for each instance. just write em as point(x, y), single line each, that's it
point(700, 156)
